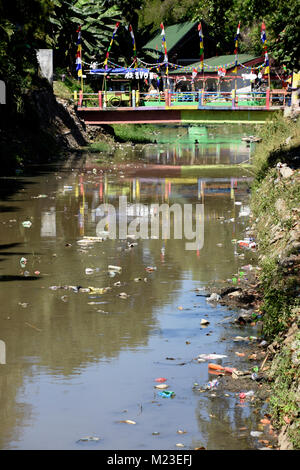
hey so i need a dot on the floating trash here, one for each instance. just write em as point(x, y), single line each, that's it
point(211, 356)
point(166, 394)
point(123, 295)
point(255, 433)
point(247, 243)
point(160, 379)
point(127, 421)
point(241, 338)
point(27, 223)
point(214, 297)
point(23, 262)
point(89, 240)
point(116, 269)
point(98, 290)
point(213, 384)
point(88, 438)
point(243, 395)
point(151, 268)
point(89, 270)
point(162, 386)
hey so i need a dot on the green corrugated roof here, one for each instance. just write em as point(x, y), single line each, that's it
point(173, 35)
point(226, 61)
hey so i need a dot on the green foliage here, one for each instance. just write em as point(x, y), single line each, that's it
point(169, 12)
point(97, 22)
point(282, 21)
point(284, 400)
point(22, 31)
point(284, 24)
point(277, 312)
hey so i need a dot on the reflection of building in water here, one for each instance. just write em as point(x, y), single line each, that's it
point(164, 188)
point(48, 223)
point(159, 190)
point(198, 153)
point(150, 188)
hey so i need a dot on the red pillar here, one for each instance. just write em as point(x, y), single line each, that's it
point(80, 98)
point(268, 98)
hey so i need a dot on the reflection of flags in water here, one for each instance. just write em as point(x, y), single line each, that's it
point(236, 45)
point(109, 47)
point(263, 38)
point(78, 54)
point(164, 45)
point(133, 45)
point(201, 46)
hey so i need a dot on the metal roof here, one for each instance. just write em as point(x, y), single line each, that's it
point(173, 35)
point(211, 64)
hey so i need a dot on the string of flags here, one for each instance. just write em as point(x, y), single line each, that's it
point(164, 45)
point(133, 46)
point(79, 54)
point(236, 45)
point(264, 41)
point(201, 47)
point(220, 69)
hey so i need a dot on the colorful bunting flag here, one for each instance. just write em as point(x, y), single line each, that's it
point(264, 41)
point(164, 45)
point(111, 42)
point(263, 33)
point(201, 46)
point(79, 54)
point(134, 46)
point(236, 45)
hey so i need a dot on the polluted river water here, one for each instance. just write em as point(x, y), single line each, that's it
point(82, 361)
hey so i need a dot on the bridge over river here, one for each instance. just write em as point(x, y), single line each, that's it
point(112, 107)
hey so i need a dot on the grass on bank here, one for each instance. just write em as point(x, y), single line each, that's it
point(280, 142)
point(272, 201)
point(139, 133)
point(284, 401)
point(99, 146)
point(65, 89)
